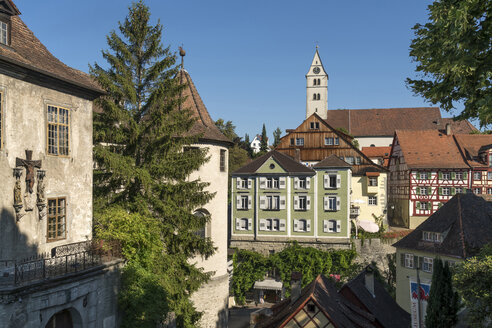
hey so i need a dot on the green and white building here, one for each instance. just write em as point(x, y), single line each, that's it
point(276, 199)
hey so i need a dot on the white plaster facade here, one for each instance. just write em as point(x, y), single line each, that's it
point(361, 192)
point(382, 141)
point(316, 88)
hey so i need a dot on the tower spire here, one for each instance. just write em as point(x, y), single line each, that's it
point(182, 53)
point(317, 88)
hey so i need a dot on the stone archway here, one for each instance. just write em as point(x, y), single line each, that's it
point(67, 318)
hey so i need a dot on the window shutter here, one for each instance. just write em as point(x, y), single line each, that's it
point(440, 191)
point(282, 202)
point(262, 183)
point(282, 225)
point(429, 190)
point(440, 175)
point(453, 175)
point(465, 175)
point(325, 202)
point(416, 261)
point(262, 224)
point(296, 183)
point(238, 224)
point(238, 183)
point(238, 202)
point(453, 191)
point(402, 260)
point(429, 175)
point(308, 202)
point(249, 202)
point(308, 225)
point(250, 224)
point(250, 183)
point(339, 181)
point(338, 203)
point(295, 225)
point(421, 262)
point(308, 183)
point(417, 190)
point(263, 202)
point(417, 205)
point(325, 225)
point(339, 225)
point(326, 181)
point(281, 182)
point(296, 202)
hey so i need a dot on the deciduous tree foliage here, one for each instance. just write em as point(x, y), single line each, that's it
point(454, 56)
point(443, 303)
point(276, 136)
point(473, 280)
point(140, 141)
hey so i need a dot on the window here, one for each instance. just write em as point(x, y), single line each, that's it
point(337, 141)
point(299, 141)
point(490, 160)
point(477, 191)
point(423, 205)
point(373, 200)
point(422, 190)
point(332, 226)
point(243, 183)
point(56, 219)
point(315, 81)
point(446, 176)
point(328, 141)
point(302, 225)
point(314, 96)
point(302, 205)
point(222, 160)
point(423, 175)
point(409, 261)
point(272, 183)
point(292, 141)
point(435, 237)
point(4, 33)
point(373, 181)
point(357, 160)
point(446, 191)
point(315, 125)
point(273, 202)
point(459, 175)
point(331, 203)
point(349, 160)
point(319, 97)
point(302, 183)
point(202, 213)
point(458, 190)
point(244, 202)
point(489, 174)
point(477, 175)
point(332, 181)
point(244, 224)
point(428, 263)
point(58, 131)
point(489, 191)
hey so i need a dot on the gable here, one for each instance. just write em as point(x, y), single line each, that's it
point(306, 316)
point(9, 8)
point(271, 166)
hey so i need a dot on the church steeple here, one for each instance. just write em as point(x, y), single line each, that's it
point(317, 88)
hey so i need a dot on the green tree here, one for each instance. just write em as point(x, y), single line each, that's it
point(454, 57)
point(142, 168)
point(443, 303)
point(228, 129)
point(473, 280)
point(276, 137)
point(247, 145)
point(264, 140)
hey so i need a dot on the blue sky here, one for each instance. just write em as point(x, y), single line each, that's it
point(248, 59)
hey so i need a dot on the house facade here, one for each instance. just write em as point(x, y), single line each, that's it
point(256, 144)
point(212, 297)
point(429, 167)
point(276, 200)
point(314, 140)
point(457, 231)
point(49, 269)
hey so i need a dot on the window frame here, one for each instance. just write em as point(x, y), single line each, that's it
point(329, 141)
point(427, 264)
point(272, 200)
point(371, 182)
point(56, 216)
point(409, 261)
point(222, 161)
point(372, 200)
point(477, 174)
point(302, 203)
point(332, 200)
point(8, 26)
point(58, 124)
point(299, 141)
point(446, 175)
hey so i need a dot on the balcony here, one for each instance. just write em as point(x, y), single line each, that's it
point(354, 211)
point(63, 260)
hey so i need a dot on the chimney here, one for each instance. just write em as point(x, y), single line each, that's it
point(297, 155)
point(448, 129)
point(369, 280)
point(295, 286)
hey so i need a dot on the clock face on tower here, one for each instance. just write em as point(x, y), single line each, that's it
point(316, 70)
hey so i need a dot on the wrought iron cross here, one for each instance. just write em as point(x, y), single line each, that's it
point(29, 164)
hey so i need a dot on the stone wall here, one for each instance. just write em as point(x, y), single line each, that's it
point(376, 250)
point(90, 296)
point(212, 299)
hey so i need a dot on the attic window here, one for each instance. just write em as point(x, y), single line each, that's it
point(314, 125)
point(434, 237)
point(4, 32)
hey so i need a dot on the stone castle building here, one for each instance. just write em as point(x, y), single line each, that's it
point(212, 298)
point(50, 275)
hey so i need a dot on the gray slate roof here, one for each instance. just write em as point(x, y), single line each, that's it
point(290, 165)
point(466, 221)
point(331, 161)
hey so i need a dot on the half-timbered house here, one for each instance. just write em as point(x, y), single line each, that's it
point(315, 139)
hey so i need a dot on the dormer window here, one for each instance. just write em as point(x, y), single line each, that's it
point(314, 125)
point(4, 33)
point(434, 237)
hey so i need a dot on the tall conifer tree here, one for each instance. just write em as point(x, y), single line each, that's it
point(264, 140)
point(143, 166)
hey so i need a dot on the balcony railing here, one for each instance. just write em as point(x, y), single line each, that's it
point(354, 211)
point(66, 259)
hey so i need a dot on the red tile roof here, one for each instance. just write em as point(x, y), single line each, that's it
point(378, 152)
point(204, 124)
point(384, 121)
point(470, 145)
point(26, 51)
point(429, 149)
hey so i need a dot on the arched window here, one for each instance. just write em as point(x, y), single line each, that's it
point(319, 97)
point(203, 231)
point(314, 96)
point(314, 82)
point(319, 82)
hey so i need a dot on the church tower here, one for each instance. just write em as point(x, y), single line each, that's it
point(317, 88)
